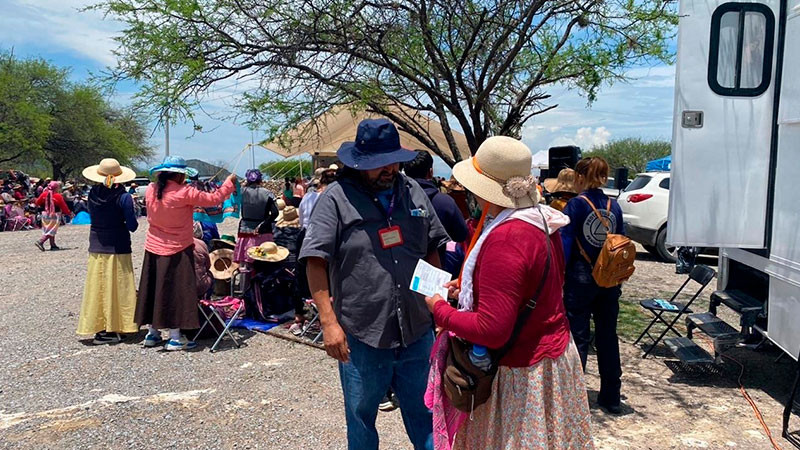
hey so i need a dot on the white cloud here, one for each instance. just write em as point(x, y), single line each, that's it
point(60, 25)
point(585, 138)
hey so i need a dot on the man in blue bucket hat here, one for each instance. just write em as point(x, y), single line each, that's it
point(366, 234)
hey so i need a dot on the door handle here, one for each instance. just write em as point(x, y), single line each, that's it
point(692, 119)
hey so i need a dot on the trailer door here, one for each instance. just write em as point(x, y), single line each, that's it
point(722, 124)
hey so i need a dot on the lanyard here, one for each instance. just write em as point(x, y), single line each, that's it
point(388, 211)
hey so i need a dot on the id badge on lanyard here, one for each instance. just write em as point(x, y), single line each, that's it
point(390, 236)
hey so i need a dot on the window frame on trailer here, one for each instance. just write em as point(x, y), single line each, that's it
point(769, 42)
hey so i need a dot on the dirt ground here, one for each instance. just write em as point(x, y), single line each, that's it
point(57, 391)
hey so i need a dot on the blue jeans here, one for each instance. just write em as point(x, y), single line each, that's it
point(367, 377)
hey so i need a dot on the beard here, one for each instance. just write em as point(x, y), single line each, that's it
point(385, 180)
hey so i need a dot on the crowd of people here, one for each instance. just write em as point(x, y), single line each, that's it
point(522, 284)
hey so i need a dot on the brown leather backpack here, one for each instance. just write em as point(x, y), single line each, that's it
point(614, 264)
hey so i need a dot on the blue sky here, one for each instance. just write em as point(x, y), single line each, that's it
point(58, 32)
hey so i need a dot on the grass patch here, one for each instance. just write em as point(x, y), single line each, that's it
point(631, 321)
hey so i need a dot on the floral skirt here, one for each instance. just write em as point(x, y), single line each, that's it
point(109, 295)
point(539, 407)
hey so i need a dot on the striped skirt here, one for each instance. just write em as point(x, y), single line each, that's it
point(50, 223)
point(109, 295)
point(539, 407)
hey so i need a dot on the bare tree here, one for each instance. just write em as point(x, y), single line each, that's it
point(483, 67)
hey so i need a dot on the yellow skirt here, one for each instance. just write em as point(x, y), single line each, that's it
point(109, 296)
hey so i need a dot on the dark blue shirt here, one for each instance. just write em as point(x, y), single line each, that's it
point(447, 211)
point(585, 227)
point(113, 220)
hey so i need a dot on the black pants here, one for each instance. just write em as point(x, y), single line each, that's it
point(584, 300)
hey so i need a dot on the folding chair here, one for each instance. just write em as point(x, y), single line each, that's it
point(307, 327)
point(701, 274)
point(226, 311)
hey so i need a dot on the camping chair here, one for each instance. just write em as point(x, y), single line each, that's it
point(701, 274)
point(226, 311)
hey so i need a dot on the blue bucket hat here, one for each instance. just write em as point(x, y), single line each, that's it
point(377, 144)
point(174, 164)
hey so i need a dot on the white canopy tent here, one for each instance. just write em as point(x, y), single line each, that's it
point(540, 160)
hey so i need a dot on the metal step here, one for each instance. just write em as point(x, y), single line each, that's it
point(688, 351)
point(711, 325)
point(737, 301)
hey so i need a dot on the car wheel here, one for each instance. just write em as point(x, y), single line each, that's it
point(666, 253)
point(651, 249)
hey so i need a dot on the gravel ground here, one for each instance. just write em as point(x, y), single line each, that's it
point(60, 392)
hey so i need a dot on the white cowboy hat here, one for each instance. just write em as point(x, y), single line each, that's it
point(108, 172)
point(269, 252)
point(500, 173)
point(222, 265)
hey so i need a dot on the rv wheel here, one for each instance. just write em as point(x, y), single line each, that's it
point(666, 253)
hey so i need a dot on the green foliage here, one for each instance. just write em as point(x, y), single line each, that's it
point(287, 168)
point(27, 88)
point(633, 153)
point(484, 66)
point(45, 118)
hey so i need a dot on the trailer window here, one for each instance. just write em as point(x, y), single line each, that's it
point(740, 60)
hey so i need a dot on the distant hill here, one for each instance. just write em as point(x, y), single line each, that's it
point(206, 169)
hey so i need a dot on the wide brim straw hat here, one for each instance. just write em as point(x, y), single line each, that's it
point(268, 252)
point(108, 172)
point(564, 183)
point(500, 173)
point(222, 264)
point(289, 217)
point(225, 241)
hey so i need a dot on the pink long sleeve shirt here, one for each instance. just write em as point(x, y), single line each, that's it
point(170, 218)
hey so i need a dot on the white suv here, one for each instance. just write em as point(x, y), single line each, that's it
point(645, 203)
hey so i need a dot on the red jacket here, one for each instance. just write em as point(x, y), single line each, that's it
point(508, 271)
point(58, 200)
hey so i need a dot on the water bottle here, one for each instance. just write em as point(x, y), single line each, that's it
point(480, 357)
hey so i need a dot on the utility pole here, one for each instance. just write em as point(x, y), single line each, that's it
point(166, 133)
point(252, 151)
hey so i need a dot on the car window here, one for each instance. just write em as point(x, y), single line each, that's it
point(640, 182)
point(664, 184)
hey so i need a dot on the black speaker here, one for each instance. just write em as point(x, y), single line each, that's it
point(621, 178)
point(562, 158)
point(544, 174)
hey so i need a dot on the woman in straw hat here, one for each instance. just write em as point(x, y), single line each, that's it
point(562, 189)
point(109, 294)
point(538, 397)
point(54, 206)
point(259, 211)
point(167, 296)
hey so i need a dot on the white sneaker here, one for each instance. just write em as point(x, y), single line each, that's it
point(180, 344)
